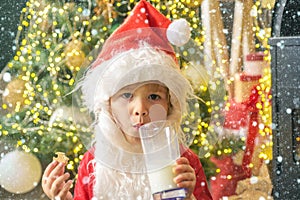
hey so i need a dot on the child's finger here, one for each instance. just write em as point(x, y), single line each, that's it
point(54, 174)
point(47, 179)
point(63, 178)
point(58, 170)
point(49, 168)
point(182, 160)
point(186, 180)
point(58, 184)
point(182, 167)
point(185, 184)
point(184, 177)
point(65, 189)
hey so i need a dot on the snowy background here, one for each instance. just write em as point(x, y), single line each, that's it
point(9, 19)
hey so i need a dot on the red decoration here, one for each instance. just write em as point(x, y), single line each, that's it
point(225, 182)
point(245, 77)
point(236, 116)
point(252, 131)
point(257, 56)
point(239, 115)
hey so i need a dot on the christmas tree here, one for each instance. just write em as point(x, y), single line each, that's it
point(58, 40)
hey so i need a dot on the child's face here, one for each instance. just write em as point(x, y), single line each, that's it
point(138, 104)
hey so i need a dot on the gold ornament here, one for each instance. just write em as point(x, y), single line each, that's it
point(73, 44)
point(13, 93)
point(75, 59)
point(74, 55)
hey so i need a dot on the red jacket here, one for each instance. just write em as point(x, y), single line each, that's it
point(84, 186)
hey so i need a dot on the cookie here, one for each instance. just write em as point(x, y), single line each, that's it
point(61, 157)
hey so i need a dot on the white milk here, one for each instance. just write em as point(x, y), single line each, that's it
point(162, 179)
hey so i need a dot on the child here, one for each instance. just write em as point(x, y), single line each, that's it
point(135, 80)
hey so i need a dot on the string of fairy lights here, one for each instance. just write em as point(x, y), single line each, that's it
point(262, 18)
point(56, 44)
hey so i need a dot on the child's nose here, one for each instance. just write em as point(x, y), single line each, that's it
point(140, 108)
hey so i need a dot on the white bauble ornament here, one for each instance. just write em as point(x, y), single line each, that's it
point(20, 172)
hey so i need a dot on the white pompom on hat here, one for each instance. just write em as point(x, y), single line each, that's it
point(178, 32)
point(130, 55)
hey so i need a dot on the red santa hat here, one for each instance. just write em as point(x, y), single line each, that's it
point(147, 24)
point(139, 50)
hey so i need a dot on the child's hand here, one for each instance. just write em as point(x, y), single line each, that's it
point(185, 176)
point(55, 182)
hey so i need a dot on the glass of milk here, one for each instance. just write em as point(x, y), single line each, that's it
point(161, 150)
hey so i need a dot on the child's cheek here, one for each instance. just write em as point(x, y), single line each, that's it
point(157, 112)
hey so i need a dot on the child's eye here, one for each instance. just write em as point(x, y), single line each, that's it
point(154, 97)
point(127, 95)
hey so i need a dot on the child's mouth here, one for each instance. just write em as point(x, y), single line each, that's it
point(138, 125)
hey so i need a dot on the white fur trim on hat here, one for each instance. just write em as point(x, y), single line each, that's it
point(130, 67)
